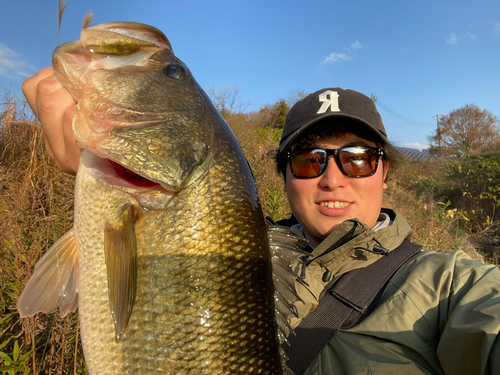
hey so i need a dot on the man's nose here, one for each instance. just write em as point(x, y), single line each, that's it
point(333, 177)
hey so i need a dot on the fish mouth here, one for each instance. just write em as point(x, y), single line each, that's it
point(149, 193)
point(112, 173)
point(130, 178)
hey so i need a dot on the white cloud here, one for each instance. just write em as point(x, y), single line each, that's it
point(470, 36)
point(335, 57)
point(454, 38)
point(418, 145)
point(11, 65)
point(356, 45)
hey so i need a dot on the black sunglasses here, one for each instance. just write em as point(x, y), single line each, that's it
point(353, 161)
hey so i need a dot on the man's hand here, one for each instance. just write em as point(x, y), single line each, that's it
point(54, 107)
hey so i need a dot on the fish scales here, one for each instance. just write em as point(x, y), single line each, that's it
point(193, 309)
point(174, 267)
point(198, 318)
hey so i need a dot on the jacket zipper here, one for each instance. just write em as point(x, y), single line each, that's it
point(341, 241)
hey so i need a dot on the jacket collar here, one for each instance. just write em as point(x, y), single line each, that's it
point(344, 250)
point(354, 245)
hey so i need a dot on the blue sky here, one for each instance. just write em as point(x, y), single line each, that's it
point(419, 58)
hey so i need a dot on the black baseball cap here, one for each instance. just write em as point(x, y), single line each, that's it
point(330, 103)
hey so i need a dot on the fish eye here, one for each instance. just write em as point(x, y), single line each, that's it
point(176, 71)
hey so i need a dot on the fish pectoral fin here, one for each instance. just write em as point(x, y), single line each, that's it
point(120, 249)
point(54, 282)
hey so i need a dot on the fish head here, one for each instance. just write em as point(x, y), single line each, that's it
point(140, 111)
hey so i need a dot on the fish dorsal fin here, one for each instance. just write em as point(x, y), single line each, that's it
point(285, 247)
point(54, 282)
point(120, 248)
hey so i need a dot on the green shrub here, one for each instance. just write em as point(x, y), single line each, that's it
point(473, 187)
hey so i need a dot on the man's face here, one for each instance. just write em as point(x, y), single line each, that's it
point(311, 200)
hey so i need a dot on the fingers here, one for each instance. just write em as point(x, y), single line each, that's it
point(54, 107)
point(70, 156)
point(30, 86)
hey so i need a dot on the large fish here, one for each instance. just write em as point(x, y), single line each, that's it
point(168, 260)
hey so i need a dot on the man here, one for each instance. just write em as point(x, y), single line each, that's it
point(438, 314)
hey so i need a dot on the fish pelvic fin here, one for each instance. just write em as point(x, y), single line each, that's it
point(54, 282)
point(120, 248)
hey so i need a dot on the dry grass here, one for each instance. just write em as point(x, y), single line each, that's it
point(413, 191)
point(257, 143)
point(36, 208)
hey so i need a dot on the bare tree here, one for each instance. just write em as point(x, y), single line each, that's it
point(294, 96)
point(466, 130)
point(226, 99)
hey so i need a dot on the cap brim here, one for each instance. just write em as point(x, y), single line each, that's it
point(288, 140)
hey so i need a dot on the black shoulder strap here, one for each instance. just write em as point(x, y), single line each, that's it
point(343, 305)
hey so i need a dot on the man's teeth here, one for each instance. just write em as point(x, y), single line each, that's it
point(335, 204)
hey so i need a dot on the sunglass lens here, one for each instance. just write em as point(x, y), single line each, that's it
point(308, 163)
point(358, 161)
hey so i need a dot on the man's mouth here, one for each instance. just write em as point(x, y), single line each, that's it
point(334, 204)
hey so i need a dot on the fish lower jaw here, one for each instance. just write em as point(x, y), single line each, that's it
point(334, 204)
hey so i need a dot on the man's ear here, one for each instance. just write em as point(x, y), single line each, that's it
point(386, 170)
point(284, 188)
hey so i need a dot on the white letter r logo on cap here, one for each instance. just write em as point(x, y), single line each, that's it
point(329, 99)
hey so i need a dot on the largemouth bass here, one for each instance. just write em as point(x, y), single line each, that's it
point(168, 260)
